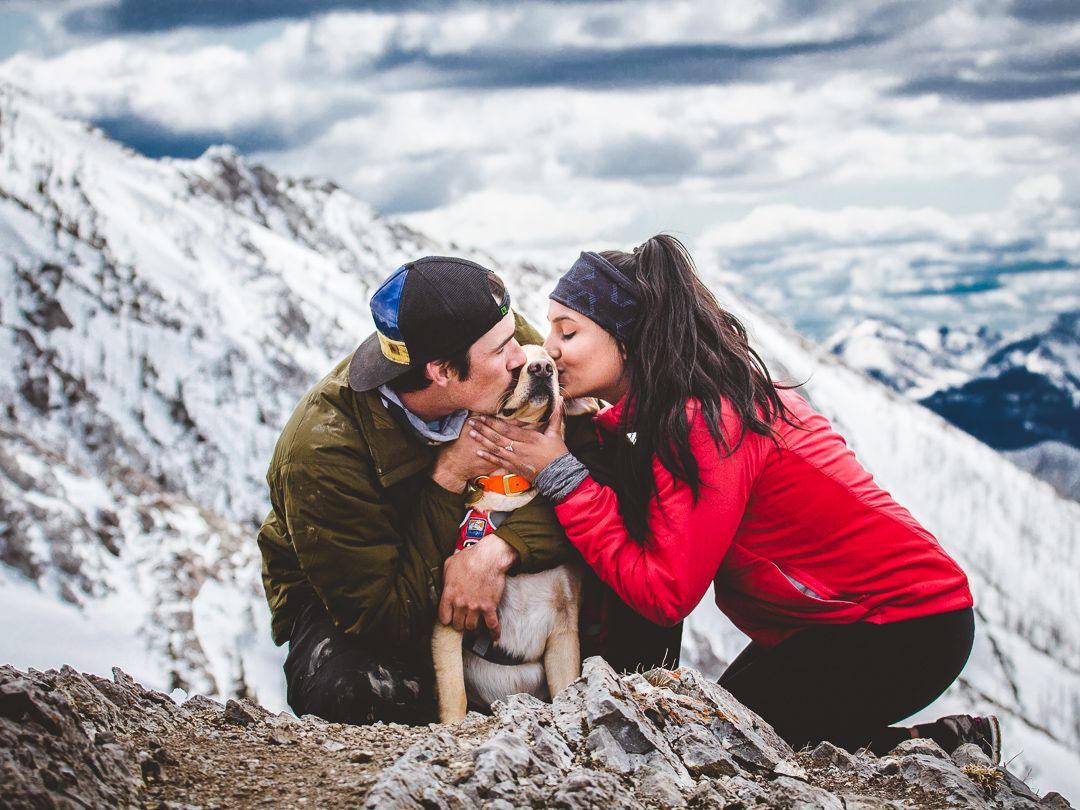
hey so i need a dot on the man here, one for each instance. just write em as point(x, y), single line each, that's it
point(366, 488)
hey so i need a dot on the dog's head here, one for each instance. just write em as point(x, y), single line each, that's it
point(531, 396)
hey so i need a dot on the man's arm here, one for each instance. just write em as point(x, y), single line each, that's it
point(377, 572)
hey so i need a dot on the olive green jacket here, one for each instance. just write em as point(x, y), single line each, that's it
point(357, 522)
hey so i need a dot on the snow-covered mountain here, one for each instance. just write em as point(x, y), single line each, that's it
point(158, 321)
point(1020, 395)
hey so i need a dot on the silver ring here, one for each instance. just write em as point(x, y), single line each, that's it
point(510, 447)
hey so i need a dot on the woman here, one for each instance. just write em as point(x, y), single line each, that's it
point(857, 616)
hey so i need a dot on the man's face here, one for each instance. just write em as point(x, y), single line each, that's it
point(493, 360)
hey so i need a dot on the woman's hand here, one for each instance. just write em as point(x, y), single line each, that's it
point(525, 452)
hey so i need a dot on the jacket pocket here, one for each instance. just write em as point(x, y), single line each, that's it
point(760, 584)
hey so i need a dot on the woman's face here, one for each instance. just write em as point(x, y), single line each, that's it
point(589, 360)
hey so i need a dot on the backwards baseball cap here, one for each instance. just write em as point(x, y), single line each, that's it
point(432, 308)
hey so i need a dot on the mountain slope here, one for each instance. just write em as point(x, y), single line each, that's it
point(159, 320)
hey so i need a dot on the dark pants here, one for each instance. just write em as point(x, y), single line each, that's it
point(848, 683)
point(344, 680)
point(624, 638)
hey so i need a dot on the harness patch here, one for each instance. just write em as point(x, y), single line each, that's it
point(474, 528)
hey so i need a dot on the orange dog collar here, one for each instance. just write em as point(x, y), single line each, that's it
point(509, 484)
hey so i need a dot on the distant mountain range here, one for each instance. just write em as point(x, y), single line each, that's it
point(159, 320)
point(1019, 395)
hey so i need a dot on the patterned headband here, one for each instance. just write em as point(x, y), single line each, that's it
point(601, 292)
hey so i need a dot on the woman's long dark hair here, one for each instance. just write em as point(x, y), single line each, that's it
point(685, 346)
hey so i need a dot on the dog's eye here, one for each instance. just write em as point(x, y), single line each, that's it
point(507, 411)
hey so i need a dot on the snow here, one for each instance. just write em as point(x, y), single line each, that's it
point(42, 632)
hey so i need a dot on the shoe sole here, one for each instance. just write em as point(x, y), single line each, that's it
point(995, 739)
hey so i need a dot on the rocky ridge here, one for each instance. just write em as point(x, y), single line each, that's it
point(658, 739)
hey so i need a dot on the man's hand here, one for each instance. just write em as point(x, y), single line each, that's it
point(458, 463)
point(473, 582)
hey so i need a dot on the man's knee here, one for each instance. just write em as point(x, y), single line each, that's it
point(336, 689)
point(355, 687)
point(343, 680)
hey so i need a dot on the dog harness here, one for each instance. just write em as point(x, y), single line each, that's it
point(472, 530)
point(479, 643)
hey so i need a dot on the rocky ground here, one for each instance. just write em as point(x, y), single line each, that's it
point(657, 740)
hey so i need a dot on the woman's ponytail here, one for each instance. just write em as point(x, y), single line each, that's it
point(684, 347)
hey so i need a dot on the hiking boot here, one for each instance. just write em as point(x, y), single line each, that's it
point(983, 730)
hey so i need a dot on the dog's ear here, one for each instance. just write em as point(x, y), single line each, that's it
point(580, 406)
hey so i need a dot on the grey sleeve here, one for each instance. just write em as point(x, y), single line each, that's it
point(561, 477)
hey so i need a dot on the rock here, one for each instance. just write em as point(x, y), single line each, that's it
point(586, 789)
point(658, 788)
point(165, 756)
point(628, 740)
point(859, 802)
point(689, 698)
point(671, 739)
point(919, 745)
point(503, 758)
point(151, 768)
point(794, 794)
point(970, 754)
point(712, 794)
point(47, 759)
point(607, 753)
point(530, 719)
point(703, 755)
point(825, 754)
point(1007, 791)
point(413, 781)
point(1055, 800)
point(787, 768)
point(200, 704)
point(235, 713)
point(746, 791)
point(940, 777)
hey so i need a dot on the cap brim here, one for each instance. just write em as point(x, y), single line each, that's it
point(369, 367)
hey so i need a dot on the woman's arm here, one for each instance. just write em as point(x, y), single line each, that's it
point(665, 579)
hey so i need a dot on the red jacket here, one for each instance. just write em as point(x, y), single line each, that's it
point(791, 536)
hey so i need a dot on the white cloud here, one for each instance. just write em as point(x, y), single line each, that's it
point(822, 152)
point(917, 266)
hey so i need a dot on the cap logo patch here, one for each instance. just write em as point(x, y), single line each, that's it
point(393, 350)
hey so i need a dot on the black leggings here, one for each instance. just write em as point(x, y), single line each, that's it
point(847, 683)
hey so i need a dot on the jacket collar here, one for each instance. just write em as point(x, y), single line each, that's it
point(611, 416)
point(398, 452)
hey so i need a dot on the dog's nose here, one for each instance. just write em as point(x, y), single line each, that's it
point(541, 368)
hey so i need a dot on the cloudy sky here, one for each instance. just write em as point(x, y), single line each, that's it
point(831, 159)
